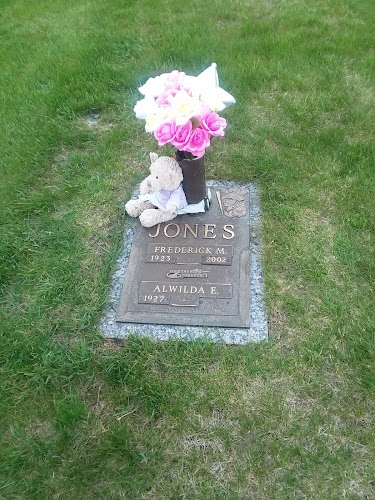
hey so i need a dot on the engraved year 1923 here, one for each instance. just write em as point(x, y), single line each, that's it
point(159, 258)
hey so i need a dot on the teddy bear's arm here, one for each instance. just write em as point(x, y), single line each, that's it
point(135, 207)
point(151, 217)
point(173, 203)
point(144, 187)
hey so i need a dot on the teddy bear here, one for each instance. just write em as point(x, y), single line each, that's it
point(161, 189)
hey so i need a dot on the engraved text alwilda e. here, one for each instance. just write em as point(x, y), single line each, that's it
point(193, 270)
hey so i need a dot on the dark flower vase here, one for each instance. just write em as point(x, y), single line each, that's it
point(194, 183)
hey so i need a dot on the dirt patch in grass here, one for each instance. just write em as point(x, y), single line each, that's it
point(95, 123)
point(218, 420)
point(61, 157)
point(42, 430)
point(110, 345)
point(320, 234)
point(361, 87)
point(278, 321)
point(250, 392)
point(197, 443)
point(97, 222)
point(295, 404)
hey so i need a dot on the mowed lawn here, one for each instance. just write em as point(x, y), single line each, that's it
point(87, 418)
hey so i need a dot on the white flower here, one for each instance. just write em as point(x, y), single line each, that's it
point(183, 107)
point(145, 107)
point(212, 100)
point(154, 120)
point(154, 86)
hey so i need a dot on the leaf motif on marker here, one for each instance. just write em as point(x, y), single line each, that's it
point(233, 201)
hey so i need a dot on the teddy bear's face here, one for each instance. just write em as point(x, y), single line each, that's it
point(165, 175)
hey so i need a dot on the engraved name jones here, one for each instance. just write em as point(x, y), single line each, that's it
point(209, 231)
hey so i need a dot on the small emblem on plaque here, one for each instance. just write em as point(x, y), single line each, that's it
point(187, 273)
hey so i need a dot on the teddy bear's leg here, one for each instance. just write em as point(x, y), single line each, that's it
point(150, 217)
point(135, 207)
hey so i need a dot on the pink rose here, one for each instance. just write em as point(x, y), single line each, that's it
point(173, 87)
point(182, 136)
point(199, 140)
point(175, 77)
point(214, 124)
point(165, 133)
point(162, 100)
point(170, 90)
point(203, 110)
point(188, 90)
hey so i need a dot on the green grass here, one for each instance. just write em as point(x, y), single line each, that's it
point(82, 417)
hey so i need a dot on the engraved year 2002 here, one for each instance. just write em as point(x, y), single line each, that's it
point(214, 260)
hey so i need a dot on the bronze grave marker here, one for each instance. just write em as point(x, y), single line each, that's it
point(193, 270)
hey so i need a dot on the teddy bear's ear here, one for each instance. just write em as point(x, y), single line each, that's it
point(153, 157)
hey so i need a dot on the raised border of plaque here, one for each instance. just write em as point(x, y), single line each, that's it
point(196, 276)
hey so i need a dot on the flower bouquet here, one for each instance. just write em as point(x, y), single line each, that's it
point(182, 110)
